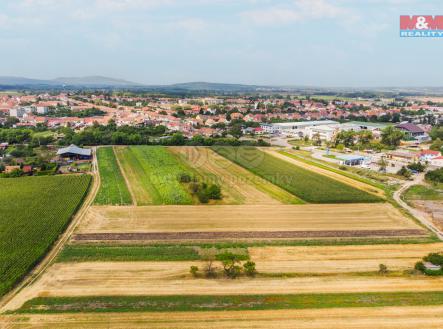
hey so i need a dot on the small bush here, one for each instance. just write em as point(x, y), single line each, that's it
point(184, 178)
point(382, 269)
point(194, 270)
point(419, 266)
point(249, 268)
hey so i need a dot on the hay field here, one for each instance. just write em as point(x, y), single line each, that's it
point(173, 278)
point(405, 317)
point(244, 218)
point(339, 259)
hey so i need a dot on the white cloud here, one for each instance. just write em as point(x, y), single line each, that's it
point(297, 11)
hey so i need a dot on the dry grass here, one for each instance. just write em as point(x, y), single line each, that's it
point(411, 317)
point(105, 219)
point(339, 259)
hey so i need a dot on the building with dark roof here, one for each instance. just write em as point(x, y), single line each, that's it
point(413, 131)
point(74, 152)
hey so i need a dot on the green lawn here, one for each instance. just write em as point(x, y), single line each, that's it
point(33, 212)
point(153, 174)
point(192, 303)
point(113, 189)
point(305, 184)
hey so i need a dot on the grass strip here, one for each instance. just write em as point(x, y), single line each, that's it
point(194, 303)
point(85, 253)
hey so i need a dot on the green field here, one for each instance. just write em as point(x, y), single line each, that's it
point(88, 253)
point(33, 212)
point(194, 303)
point(305, 184)
point(113, 189)
point(153, 173)
point(421, 192)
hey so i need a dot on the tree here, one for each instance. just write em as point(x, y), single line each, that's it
point(437, 145)
point(208, 255)
point(391, 136)
point(417, 166)
point(436, 132)
point(435, 176)
point(405, 172)
point(236, 131)
point(230, 263)
point(382, 164)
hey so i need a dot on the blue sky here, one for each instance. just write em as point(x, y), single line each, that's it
point(287, 42)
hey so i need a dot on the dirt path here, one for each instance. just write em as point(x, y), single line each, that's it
point(52, 254)
point(346, 180)
point(404, 317)
point(421, 216)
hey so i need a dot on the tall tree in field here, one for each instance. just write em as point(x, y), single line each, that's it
point(391, 136)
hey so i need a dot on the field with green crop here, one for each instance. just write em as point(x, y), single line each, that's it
point(153, 173)
point(305, 184)
point(227, 303)
point(113, 189)
point(33, 212)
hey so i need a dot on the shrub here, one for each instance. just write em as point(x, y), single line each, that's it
point(249, 268)
point(435, 176)
point(405, 172)
point(194, 270)
point(184, 178)
point(417, 166)
point(419, 266)
point(382, 269)
point(434, 258)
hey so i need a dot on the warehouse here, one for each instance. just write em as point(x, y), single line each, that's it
point(74, 152)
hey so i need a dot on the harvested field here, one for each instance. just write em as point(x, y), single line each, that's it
point(405, 317)
point(239, 186)
point(173, 278)
point(339, 259)
point(339, 219)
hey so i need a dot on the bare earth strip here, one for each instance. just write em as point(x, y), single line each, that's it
point(404, 317)
point(331, 174)
point(244, 218)
point(173, 278)
point(239, 185)
point(339, 259)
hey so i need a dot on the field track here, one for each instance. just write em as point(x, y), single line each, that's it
point(341, 178)
point(405, 317)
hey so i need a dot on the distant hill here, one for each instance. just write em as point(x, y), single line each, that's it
point(90, 81)
point(211, 86)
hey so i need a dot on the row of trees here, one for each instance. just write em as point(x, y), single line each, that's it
point(390, 138)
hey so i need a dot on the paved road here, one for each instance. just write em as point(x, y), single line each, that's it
point(64, 238)
point(421, 216)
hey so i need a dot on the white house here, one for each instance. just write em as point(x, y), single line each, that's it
point(437, 162)
point(428, 155)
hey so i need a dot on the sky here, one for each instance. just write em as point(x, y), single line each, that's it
point(329, 43)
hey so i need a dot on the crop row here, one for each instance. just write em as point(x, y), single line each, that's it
point(113, 189)
point(34, 212)
point(305, 184)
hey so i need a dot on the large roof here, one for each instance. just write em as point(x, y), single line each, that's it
point(74, 149)
point(410, 127)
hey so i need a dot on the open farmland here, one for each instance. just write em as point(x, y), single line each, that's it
point(33, 212)
point(239, 186)
point(405, 317)
point(340, 259)
point(244, 222)
point(152, 172)
point(113, 189)
point(305, 184)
